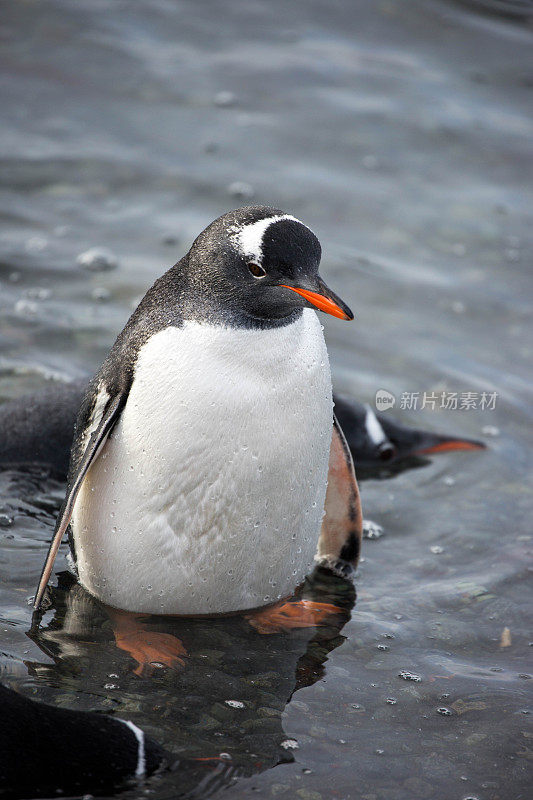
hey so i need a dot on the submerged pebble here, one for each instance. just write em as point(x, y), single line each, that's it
point(371, 530)
point(290, 744)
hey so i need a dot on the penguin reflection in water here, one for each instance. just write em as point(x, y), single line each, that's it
point(208, 473)
point(221, 716)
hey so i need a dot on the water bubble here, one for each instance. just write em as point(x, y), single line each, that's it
point(38, 293)
point(490, 430)
point(241, 189)
point(383, 647)
point(369, 162)
point(444, 712)
point(437, 549)
point(97, 259)
point(100, 294)
point(35, 244)
point(110, 686)
point(409, 676)
point(224, 99)
point(512, 255)
point(26, 308)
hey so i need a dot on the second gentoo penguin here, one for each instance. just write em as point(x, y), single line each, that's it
point(206, 460)
point(380, 445)
point(36, 431)
point(48, 751)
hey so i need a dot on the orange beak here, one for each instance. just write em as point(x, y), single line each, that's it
point(327, 301)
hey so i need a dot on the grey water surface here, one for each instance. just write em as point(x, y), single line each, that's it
point(401, 133)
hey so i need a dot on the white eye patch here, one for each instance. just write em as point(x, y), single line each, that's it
point(249, 238)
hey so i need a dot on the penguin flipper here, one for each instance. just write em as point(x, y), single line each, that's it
point(342, 527)
point(97, 440)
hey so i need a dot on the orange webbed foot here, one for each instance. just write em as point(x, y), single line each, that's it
point(291, 615)
point(150, 649)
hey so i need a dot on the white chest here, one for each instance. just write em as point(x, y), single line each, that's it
point(209, 495)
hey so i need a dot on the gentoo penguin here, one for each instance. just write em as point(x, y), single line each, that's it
point(379, 444)
point(206, 442)
point(46, 751)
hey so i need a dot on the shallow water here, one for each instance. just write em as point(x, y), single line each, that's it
point(401, 133)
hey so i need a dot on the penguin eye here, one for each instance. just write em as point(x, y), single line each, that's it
point(256, 270)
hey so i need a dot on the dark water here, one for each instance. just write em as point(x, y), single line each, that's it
point(401, 133)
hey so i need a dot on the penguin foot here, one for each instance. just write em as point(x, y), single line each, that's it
point(338, 566)
point(150, 649)
point(291, 615)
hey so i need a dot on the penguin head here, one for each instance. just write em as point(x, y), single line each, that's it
point(261, 263)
